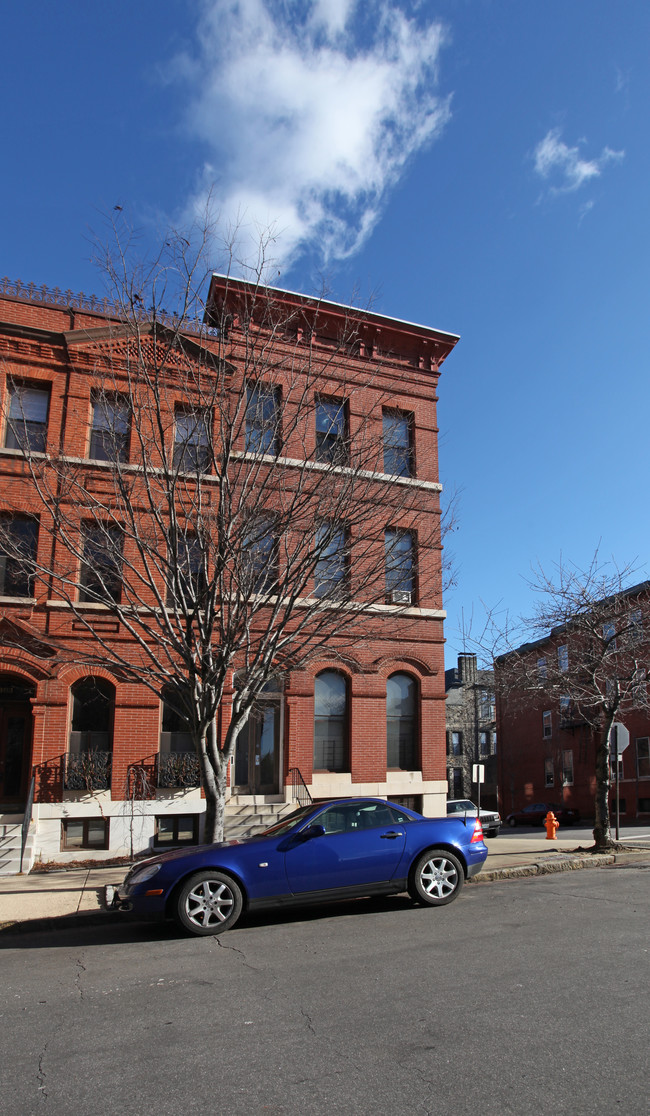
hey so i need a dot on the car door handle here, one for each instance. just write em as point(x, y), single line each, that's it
point(390, 836)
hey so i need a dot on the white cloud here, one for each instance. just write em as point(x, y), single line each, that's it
point(564, 167)
point(309, 111)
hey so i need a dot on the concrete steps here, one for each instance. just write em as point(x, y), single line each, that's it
point(11, 835)
point(245, 819)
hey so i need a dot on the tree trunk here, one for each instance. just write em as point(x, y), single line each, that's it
point(214, 771)
point(602, 831)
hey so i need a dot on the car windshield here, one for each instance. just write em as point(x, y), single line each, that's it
point(287, 823)
point(460, 807)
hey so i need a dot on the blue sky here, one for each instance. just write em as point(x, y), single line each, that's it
point(477, 165)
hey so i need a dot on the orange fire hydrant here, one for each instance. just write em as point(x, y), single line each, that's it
point(552, 824)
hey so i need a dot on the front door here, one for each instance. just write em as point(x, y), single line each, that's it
point(258, 750)
point(15, 740)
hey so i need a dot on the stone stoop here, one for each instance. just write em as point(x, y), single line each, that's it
point(245, 819)
point(11, 835)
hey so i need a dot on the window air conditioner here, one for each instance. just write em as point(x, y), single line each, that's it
point(400, 596)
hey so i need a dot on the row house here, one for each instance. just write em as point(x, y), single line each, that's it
point(107, 761)
point(554, 695)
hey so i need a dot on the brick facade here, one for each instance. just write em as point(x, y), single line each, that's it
point(53, 341)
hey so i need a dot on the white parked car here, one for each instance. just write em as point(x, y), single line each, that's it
point(490, 820)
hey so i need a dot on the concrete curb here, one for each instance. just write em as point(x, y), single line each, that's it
point(546, 867)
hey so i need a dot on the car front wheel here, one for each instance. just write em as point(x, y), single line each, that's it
point(208, 903)
point(512, 822)
point(437, 878)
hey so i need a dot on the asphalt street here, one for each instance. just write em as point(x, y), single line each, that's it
point(523, 996)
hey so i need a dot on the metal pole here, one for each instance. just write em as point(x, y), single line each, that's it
point(618, 769)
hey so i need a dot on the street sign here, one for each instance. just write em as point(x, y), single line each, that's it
point(478, 772)
point(619, 738)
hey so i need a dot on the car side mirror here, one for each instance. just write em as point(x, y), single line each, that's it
point(314, 831)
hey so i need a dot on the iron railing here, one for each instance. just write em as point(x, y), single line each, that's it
point(299, 791)
point(88, 771)
point(27, 818)
point(178, 769)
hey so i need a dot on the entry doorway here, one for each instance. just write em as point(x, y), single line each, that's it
point(257, 753)
point(15, 739)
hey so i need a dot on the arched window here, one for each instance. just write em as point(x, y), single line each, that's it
point(331, 722)
point(401, 722)
point(93, 704)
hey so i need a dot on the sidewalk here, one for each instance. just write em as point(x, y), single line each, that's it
point(60, 899)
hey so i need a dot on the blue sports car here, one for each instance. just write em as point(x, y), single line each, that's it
point(341, 849)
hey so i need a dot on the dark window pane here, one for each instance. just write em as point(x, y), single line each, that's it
point(400, 561)
point(101, 571)
point(110, 430)
point(18, 541)
point(262, 419)
point(193, 441)
point(401, 722)
point(331, 432)
point(398, 453)
point(27, 419)
point(330, 722)
point(331, 572)
point(260, 556)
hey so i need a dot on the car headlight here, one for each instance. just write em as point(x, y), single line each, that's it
point(144, 873)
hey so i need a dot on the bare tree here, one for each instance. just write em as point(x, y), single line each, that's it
point(206, 521)
point(586, 652)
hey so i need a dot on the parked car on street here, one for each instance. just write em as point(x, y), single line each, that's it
point(490, 819)
point(536, 812)
point(341, 849)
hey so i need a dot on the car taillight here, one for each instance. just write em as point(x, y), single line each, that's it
point(478, 832)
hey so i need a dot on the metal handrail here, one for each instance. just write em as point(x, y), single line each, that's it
point(27, 818)
point(299, 791)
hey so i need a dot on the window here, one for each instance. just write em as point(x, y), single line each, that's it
point(486, 705)
point(262, 418)
point(565, 709)
point(192, 440)
point(260, 566)
point(88, 762)
point(85, 833)
point(175, 735)
point(567, 769)
point(330, 722)
point(644, 806)
point(93, 702)
point(352, 817)
point(27, 418)
point(109, 436)
point(563, 657)
point(331, 431)
point(484, 743)
point(455, 782)
point(643, 757)
point(186, 582)
point(401, 726)
point(547, 724)
point(399, 549)
point(456, 744)
point(549, 776)
point(331, 574)
point(18, 540)
point(177, 829)
point(635, 629)
point(398, 443)
point(609, 634)
point(101, 569)
point(541, 669)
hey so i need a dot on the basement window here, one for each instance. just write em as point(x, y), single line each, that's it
point(177, 829)
point(84, 833)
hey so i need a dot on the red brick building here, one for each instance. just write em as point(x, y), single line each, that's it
point(371, 721)
point(547, 747)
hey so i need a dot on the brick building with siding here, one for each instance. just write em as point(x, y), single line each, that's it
point(471, 730)
point(371, 722)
